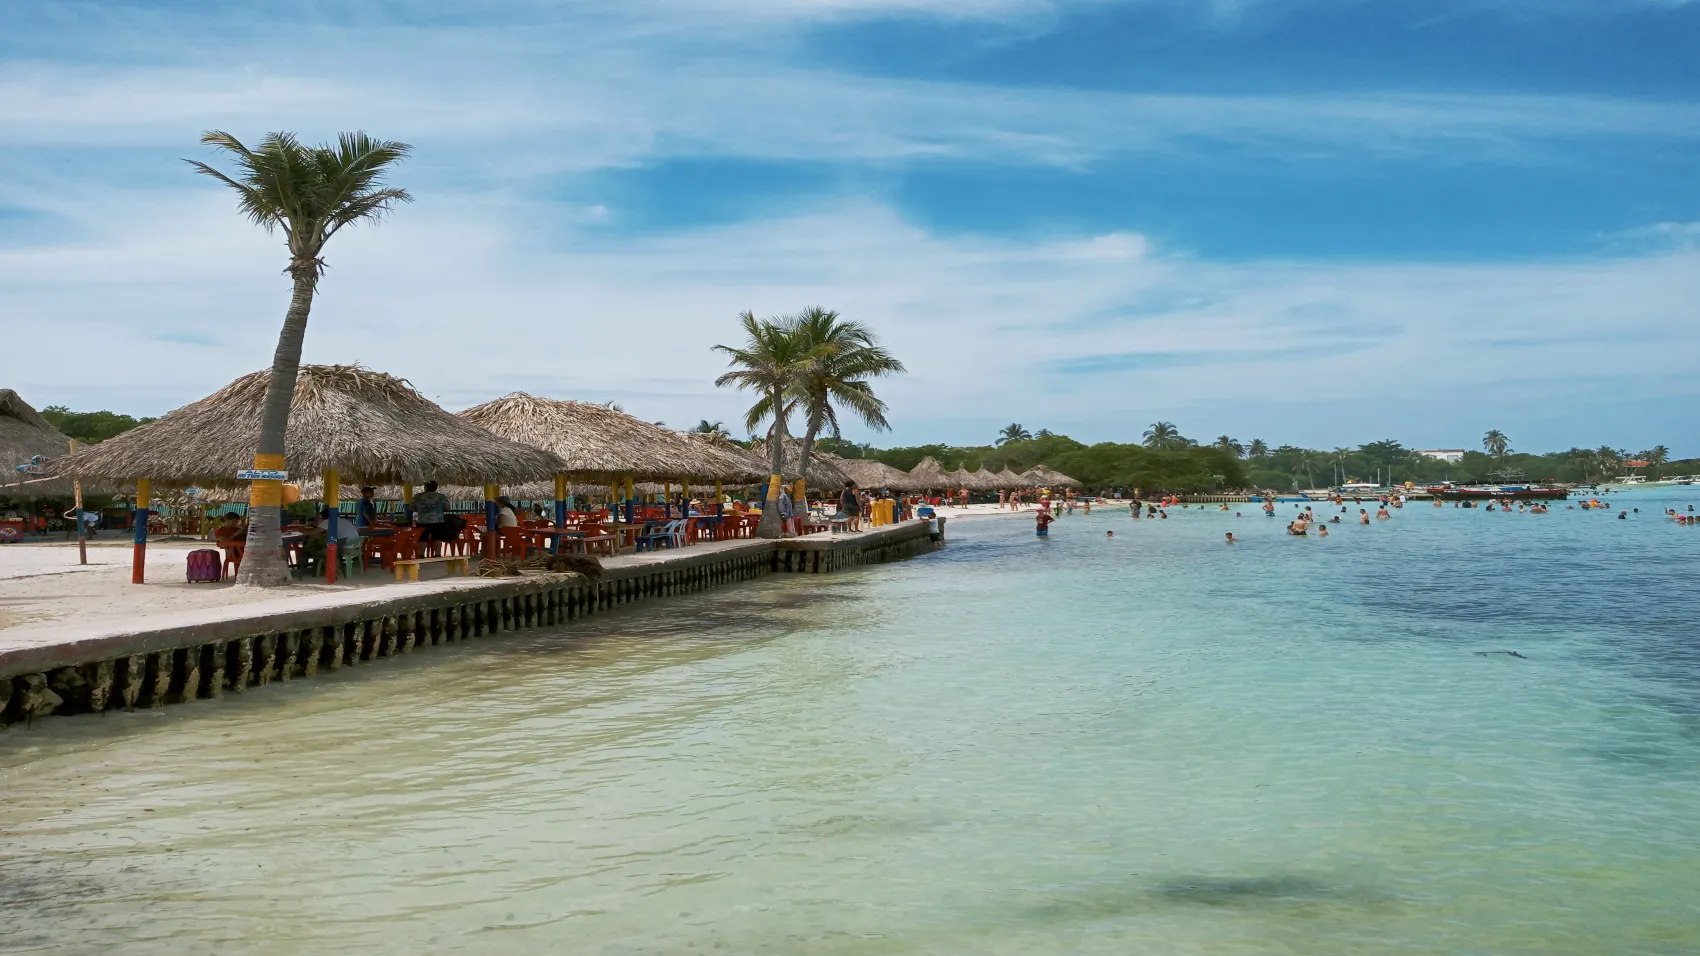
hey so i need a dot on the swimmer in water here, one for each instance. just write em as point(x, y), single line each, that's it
point(1322, 531)
point(1238, 515)
point(1109, 534)
point(1363, 516)
point(1334, 520)
point(1231, 537)
point(1381, 513)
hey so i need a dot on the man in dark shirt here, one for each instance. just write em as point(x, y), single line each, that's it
point(850, 507)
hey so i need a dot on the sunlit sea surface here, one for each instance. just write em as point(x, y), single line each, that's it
point(1153, 743)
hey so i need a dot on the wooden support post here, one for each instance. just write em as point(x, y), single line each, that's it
point(333, 504)
point(139, 554)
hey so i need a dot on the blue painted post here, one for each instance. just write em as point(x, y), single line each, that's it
point(490, 520)
point(139, 557)
point(333, 504)
point(560, 508)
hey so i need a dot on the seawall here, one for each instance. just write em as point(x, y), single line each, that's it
point(206, 655)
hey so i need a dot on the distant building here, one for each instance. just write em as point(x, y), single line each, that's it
point(1449, 455)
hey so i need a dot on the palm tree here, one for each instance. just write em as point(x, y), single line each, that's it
point(768, 363)
point(1013, 432)
point(840, 358)
point(1303, 462)
point(1230, 445)
point(1339, 458)
point(706, 427)
point(1164, 435)
point(1495, 443)
point(310, 192)
point(1257, 449)
point(1655, 456)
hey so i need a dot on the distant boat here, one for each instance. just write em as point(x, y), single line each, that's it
point(1447, 491)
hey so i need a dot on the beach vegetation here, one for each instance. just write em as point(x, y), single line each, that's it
point(768, 363)
point(90, 427)
point(1013, 432)
point(839, 358)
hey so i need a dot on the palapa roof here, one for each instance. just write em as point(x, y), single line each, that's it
point(597, 442)
point(24, 434)
point(927, 474)
point(371, 427)
point(823, 471)
point(1042, 476)
point(872, 473)
point(984, 480)
point(960, 478)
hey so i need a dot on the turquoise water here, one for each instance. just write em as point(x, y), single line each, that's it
point(1156, 743)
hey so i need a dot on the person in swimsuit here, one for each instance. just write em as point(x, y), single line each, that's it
point(1042, 523)
point(1381, 513)
point(1231, 537)
point(1363, 516)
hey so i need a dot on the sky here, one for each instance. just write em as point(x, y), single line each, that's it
point(1317, 222)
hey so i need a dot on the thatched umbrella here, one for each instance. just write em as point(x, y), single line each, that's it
point(871, 473)
point(597, 442)
point(983, 480)
point(958, 479)
point(1011, 480)
point(822, 472)
point(1045, 477)
point(24, 436)
point(928, 474)
point(346, 422)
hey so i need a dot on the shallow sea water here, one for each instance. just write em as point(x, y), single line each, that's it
point(1156, 743)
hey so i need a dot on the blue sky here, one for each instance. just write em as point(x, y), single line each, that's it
point(1317, 221)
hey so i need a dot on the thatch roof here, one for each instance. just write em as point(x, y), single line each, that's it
point(1044, 477)
point(24, 434)
point(927, 474)
point(823, 471)
point(753, 466)
point(1012, 480)
point(369, 426)
point(983, 480)
point(873, 474)
point(960, 478)
point(598, 443)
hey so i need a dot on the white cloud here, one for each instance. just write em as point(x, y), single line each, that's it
point(455, 295)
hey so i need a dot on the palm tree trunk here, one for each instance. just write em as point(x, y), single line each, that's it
point(769, 526)
point(263, 562)
point(803, 451)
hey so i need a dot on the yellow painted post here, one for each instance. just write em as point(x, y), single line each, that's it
point(77, 504)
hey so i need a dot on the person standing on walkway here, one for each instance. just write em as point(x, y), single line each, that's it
point(850, 506)
point(429, 510)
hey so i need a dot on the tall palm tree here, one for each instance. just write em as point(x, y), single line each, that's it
point(1340, 457)
point(706, 427)
point(1304, 462)
point(1164, 435)
point(1230, 445)
point(767, 363)
point(1257, 449)
point(1013, 432)
point(1495, 443)
point(841, 356)
point(310, 192)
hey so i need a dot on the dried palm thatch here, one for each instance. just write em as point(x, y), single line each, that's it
point(1044, 477)
point(983, 480)
point(823, 470)
point(24, 434)
point(1011, 480)
point(928, 474)
point(872, 474)
point(371, 427)
point(596, 442)
point(737, 458)
point(958, 479)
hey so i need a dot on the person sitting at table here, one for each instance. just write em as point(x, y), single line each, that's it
point(366, 510)
point(232, 530)
point(348, 540)
point(505, 517)
point(313, 539)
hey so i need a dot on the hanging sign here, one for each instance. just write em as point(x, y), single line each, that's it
point(262, 474)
